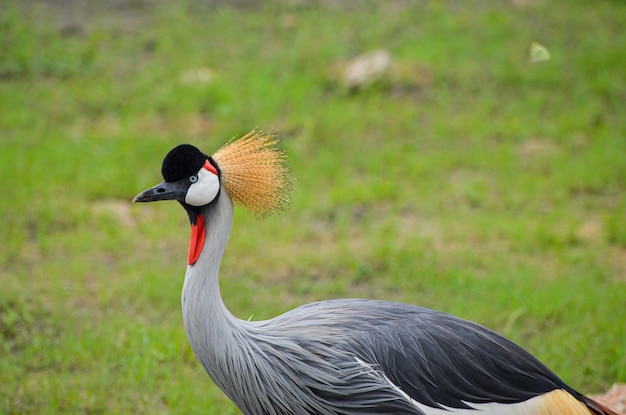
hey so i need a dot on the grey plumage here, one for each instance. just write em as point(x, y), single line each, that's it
point(345, 357)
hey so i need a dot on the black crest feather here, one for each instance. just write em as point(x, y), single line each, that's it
point(182, 161)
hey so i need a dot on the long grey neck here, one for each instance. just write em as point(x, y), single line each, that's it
point(210, 327)
point(260, 365)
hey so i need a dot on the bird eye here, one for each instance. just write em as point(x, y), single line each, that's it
point(193, 179)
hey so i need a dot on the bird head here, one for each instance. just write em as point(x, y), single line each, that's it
point(190, 177)
point(250, 169)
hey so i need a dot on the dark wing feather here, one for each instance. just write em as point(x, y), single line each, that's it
point(438, 359)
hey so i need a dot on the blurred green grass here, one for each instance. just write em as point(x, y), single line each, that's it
point(472, 181)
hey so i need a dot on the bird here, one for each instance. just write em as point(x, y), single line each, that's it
point(341, 356)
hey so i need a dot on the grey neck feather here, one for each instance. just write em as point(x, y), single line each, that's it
point(209, 325)
point(264, 367)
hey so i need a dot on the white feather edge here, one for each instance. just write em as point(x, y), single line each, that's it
point(547, 404)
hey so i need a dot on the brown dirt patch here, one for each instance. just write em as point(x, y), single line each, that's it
point(615, 398)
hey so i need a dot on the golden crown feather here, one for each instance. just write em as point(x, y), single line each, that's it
point(254, 172)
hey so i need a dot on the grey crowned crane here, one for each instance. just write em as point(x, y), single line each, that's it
point(347, 356)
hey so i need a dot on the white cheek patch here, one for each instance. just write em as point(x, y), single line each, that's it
point(204, 190)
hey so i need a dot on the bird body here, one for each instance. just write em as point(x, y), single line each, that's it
point(345, 356)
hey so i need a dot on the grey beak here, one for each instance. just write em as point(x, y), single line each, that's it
point(163, 191)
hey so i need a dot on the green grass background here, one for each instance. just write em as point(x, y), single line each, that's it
point(470, 181)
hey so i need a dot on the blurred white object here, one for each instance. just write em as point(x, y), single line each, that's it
point(196, 76)
point(538, 53)
point(366, 69)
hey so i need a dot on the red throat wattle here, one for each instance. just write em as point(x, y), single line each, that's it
point(196, 241)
